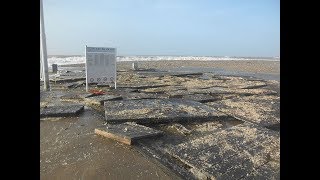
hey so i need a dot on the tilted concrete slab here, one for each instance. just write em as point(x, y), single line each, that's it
point(61, 111)
point(127, 133)
point(131, 96)
point(212, 90)
point(178, 93)
point(158, 110)
point(270, 170)
point(231, 153)
point(64, 80)
point(71, 97)
point(203, 98)
point(99, 100)
point(141, 86)
point(225, 90)
point(166, 73)
point(165, 89)
point(262, 110)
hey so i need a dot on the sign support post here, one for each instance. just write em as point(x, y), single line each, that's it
point(86, 64)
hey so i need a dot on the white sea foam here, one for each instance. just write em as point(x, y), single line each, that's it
point(81, 59)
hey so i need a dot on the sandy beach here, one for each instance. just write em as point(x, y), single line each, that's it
point(244, 104)
point(269, 70)
point(271, 67)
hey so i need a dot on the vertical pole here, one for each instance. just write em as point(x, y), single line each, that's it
point(41, 75)
point(44, 51)
point(86, 64)
point(115, 76)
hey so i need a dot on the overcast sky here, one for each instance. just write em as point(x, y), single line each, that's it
point(164, 27)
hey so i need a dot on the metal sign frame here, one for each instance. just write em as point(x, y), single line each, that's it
point(101, 51)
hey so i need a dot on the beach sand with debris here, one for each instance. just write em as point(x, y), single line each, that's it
point(220, 119)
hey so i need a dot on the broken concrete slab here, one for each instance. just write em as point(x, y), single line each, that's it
point(123, 91)
point(270, 170)
point(131, 96)
point(166, 73)
point(249, 92)
point(158, 110)
point(75, 96)
point(72, 73)
point(262, 110)
point(203, 98)
point(240, 92)
point(164, 89)
point(86, 95)
point(232, 152)
point(212, 90)
point(240, 83)
point(142, 86)
point(251, 78)
point(71, 96)
point(69, 85)
point(179, 128)
point(61, 111)
point(65, 80)
point(222, 77)
point(185, 74)
point(73, 84)
point(239, 168)
point(254, 86)
point(127, 133)
point(177, 93)
point(99, 100)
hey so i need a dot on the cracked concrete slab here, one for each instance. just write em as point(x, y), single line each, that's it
point(158, 110)
point(61, 111)
point(127, 133)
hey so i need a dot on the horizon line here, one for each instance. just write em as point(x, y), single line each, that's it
point(176, 55)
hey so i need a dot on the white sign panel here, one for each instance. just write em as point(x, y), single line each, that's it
point(100, 65)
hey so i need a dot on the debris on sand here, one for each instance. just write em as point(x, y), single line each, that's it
point(207, 126)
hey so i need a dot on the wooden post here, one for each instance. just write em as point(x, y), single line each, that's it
point(54, 68)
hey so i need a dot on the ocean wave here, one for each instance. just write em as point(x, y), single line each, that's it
point(81, 59)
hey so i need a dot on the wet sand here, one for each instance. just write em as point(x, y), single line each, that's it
point(71, 150)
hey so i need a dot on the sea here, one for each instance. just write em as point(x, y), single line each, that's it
point(77, 59)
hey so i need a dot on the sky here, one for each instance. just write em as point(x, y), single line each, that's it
point(164, 27)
